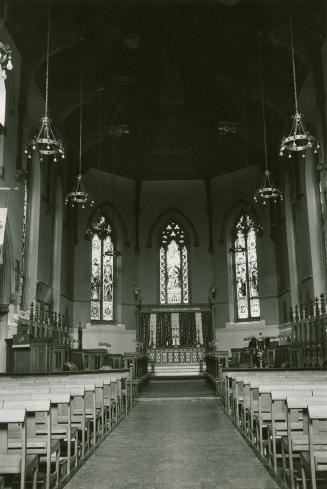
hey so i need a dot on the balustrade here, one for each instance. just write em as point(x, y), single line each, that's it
point(45, 324)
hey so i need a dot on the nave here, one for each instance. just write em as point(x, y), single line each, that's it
point(174, 444)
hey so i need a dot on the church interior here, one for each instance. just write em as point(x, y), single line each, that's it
point(163, 244)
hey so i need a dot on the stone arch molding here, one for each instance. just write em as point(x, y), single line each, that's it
point(164, 217)
point(235, 209)
point(110, 211)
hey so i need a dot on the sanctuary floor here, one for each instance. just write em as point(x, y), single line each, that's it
point(174, 443)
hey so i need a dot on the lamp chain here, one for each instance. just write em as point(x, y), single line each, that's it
point(47, 67)
point(81, 110)
point(263, 108)
point(293, 56)
point(264, 121)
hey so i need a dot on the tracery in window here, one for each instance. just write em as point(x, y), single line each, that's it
point(174, 285)
point(102, 284)
point(246, 269)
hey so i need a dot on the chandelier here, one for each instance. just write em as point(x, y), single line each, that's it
point(5, 58)
point(44, 142)
point(299, 139)
point(79, 195)
point(267, 192)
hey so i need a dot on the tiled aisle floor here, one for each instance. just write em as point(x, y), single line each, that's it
point(174, 445)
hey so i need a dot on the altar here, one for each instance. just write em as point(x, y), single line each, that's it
point(175, 339)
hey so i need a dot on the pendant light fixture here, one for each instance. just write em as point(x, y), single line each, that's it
point(5, 59)
point(267, 192)
point(299, 139)
point(79, 195)
point(44, 142)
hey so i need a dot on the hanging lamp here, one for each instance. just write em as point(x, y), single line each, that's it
point(79, 195)
point(44, 142)
point(5, 59)
point(267, 192)
point(299, 139)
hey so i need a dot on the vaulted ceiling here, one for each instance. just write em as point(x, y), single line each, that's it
point(183, 76)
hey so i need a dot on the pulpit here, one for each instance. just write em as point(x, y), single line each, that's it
point(175, 339)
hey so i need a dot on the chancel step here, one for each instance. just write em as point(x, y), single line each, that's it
point(177, 370)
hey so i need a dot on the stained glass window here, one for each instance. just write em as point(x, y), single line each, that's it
point(174, 287)
point(102, 297)
point(246, 269)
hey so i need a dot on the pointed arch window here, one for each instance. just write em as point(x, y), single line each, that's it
point(102, 277)
point(174, 276)
point(246, 269)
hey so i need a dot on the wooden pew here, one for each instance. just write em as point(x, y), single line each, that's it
point(315, 461)
point(16, 463)
point(37, 444)
point(296, 440)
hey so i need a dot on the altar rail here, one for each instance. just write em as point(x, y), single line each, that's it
point(180, 355)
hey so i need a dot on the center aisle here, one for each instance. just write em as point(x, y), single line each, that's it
point(173, 445)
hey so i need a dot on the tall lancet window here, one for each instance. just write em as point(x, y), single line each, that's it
point(102, 279)
point(174, 286)
point(246, 269)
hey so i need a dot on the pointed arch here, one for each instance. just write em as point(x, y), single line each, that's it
point(234, 210)
point(117, 222)
point(102, 269)
point(245, 268)
point(174, 270)
point(178, 216)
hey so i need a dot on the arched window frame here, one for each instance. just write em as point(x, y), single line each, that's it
point(103, 229)
point(174, 231)
point(244, 225)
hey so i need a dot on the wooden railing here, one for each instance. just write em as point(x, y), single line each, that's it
point(215, 362)
point(309, 331)
point(45, 324)
point(138, 365)
point(309, 323)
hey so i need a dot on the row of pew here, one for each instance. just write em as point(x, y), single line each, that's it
point(283, 414)
point(49, 425)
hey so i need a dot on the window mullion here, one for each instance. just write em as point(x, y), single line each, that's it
point(181, 274)
point(247, 277)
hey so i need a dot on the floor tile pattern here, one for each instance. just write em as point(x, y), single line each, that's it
point(177, 444)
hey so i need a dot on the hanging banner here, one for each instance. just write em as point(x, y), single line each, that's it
point(3, 218)
point(153, 330)
point(198, 324)
point(175, 328)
